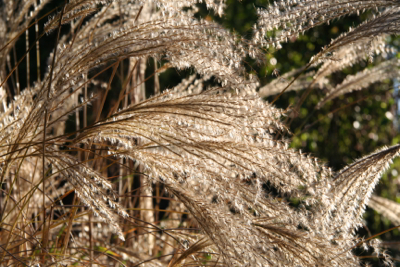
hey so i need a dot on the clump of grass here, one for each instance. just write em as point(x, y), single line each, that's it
point(179, 178)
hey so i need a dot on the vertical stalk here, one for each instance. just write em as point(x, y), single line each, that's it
point(85, 106)
point(77, 121)
point(74, 208)
point(156, 79)
point(37, 47)
point(44, 234)
point(90, 238)
point(28, 73)
point(16, 70)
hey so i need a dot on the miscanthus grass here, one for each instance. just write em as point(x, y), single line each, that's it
point(196, 175)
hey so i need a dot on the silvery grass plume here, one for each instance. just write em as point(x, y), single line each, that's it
point(352, 189)
point(366, 39)
point(304, 81)
point(386, 23)
point(350, 55)
point(388, 208)
point(389, 69)
point(294, 17)
point(343, 57)
point(217, 151)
